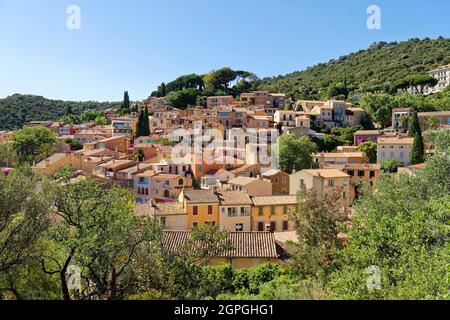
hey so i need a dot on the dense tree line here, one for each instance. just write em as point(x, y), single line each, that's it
point(17, 110)
point(372, 70)
point(192, 89)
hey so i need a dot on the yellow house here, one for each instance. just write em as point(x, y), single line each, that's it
point(272, 213)
point(245, 249)
point(201, 206)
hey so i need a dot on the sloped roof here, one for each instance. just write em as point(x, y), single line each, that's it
point(200, 196)
point(234, 198)
point(242, 244)
point(274, 200)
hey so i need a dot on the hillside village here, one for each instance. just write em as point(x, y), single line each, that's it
point(233, 185)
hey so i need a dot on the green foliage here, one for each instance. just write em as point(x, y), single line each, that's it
point(379, 107)
point(23, 219)
point(74, 144)
point(417, 153)
point(326, 144)
point(192, 89)
point(418, 81)
point(183, 99)
point(390, 165)
point(318, 220)
point(143, 124)
point(370, 148)
point(33, 143)
point(367, 70)
point(414, 130)
point(402, 228)
point(17, 110)
point(413, 125)
point(344, 135)
point(219, 79)
point(8, 156)
point(295, 154)
point(439, 139)
point(96, 230)
point(125, 107)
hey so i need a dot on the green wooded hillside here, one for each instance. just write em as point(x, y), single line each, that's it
point(373, 69)
point(16, 110)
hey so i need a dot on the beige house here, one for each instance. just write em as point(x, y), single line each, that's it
point(253, 186)
point(171, 215)
point(287, 118)
point(235, 211)
point(279, 180)
point(321, 181)
point(397, 147)
point(52, 164)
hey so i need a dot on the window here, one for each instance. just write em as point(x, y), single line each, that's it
point(351, 173)
point(243, 211)
point(210, 223)
point(239, 227)
point(330, 183)
point(272, 210)
point(180, 182)
point(360, 173)
point(285, 225)
point(285, 209)
point(210, 209)
point(273, 226)
point(260, 211)
point(194, 224)
point(302, 183)
point(372, 173)
point(195, 210)
point(260, 226)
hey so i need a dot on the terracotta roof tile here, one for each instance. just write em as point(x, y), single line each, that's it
point(242, 244)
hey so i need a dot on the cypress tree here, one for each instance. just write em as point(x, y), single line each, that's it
point(145, 123)
point(414, 125)
point(139, 125)
point(163, 90)
point(417, 150)
point(126, 101)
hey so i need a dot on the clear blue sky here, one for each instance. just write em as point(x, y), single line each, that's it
point(134, 45)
